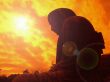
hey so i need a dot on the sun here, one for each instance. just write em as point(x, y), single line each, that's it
point(22, 23)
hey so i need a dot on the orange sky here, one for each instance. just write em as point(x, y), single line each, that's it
point(32, 45)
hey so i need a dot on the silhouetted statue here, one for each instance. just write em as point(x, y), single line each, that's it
point(56, 19)
point(79, 30)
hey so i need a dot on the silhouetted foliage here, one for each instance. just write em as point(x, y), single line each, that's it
point(65, 72)
point(3, 79)
point(11, 77)
point(25, 71)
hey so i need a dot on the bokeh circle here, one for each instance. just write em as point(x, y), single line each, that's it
point(87, 59)
point(69, 48)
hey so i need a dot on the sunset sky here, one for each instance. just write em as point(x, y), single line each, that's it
point(26, 39)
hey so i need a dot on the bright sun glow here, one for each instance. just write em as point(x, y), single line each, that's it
point(21, 23)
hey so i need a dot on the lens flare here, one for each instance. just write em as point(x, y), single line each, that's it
point(69, 48)
point(87, 59)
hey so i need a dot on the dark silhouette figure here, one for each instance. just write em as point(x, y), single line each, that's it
point(81, 32)
point(56, 19)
